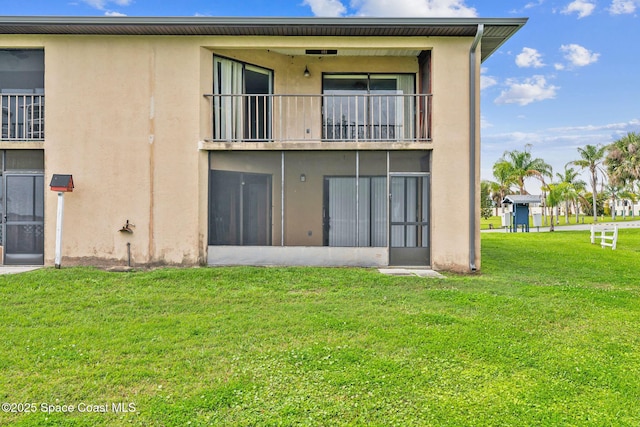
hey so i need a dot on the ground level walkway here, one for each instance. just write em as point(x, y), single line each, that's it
point(13, 269)
point(572, 227)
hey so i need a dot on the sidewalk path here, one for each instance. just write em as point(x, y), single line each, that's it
point(14, 269)
point(578, 227)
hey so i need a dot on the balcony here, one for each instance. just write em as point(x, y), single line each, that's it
point(328, 118)
point(22, 116)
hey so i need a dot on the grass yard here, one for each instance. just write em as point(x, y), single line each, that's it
point(548, 334)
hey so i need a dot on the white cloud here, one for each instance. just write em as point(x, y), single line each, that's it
point(579, 56)
point(102, 4)
point(112, 13)
point(487, 82)
point(559, 66)
point(530, 90)
point(621, 126)
point(620, 7)
point(581, 7)
point(429, 8)
point(484, 124)
point(529, 58)
point(328, 8)
point(398, 8)
point(533, 4)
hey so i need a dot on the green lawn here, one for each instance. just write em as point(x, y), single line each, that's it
point(546, 335)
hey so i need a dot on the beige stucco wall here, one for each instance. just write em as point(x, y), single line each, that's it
point(450, 184)
point(125, 116)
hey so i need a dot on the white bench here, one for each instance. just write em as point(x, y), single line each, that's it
point(608, 235)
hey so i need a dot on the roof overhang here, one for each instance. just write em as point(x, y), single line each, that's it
point(522, 199)
point(496, 30)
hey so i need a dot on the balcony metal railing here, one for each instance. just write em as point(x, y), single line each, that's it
point(22, 117)
point(320, 118)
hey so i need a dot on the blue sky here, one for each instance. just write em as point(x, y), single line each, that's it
point(570, 77)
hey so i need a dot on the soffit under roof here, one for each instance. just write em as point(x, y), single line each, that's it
point(352, 52)
point(496, 30)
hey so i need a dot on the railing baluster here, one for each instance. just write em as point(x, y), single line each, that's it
point(252, 117)
point(388, 123)
point(22, 117)
point(357, 133)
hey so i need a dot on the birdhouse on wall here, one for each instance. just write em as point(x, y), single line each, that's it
point(62, 183)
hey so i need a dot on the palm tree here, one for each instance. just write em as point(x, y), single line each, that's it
point(518, 165)
point(502, 185)
point(486, 204)
point(555, 195)
point(623, 160)
point(591, 157)
point(574, 187)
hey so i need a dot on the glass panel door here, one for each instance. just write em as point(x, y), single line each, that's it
point(242, 101)
point(370, 106)
point(256, 209)
point(345, 106)
point(240, 208)
point(258, 103)
point(24, 219)
point(409, 220)
point(355, 221)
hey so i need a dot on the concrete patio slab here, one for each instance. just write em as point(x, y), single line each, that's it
point(15, 269)
point(420, 272)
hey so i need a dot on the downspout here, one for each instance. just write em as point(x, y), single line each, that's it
point(472, 147)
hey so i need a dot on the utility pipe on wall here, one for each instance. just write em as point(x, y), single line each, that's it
point(472, 147)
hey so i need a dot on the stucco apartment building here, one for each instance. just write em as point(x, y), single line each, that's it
point(261, 141)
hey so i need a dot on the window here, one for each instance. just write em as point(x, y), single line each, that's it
point(22, 69)
point(22, 94)
point(242, 105)
point(369, 106)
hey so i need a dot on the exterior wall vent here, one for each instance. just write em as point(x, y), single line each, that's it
point(321, 52)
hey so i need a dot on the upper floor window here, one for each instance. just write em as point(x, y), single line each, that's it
point(22, 94)
point(241, 99)
point(22, 69)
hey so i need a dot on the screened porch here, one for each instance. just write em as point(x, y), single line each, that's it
point(320, 207)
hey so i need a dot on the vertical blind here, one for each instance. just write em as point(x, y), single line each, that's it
point(360, 221)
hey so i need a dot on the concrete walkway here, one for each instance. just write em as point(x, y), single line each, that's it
point(578, 227)
point(14, 269)
point(408, 271)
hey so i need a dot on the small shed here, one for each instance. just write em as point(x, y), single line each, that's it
point(520, 209)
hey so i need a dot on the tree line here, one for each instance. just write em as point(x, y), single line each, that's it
point(613, 170)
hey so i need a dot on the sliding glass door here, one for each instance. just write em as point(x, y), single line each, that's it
point(355, 215)
point(240, 208)
point(242, 102)
point(368, 106)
